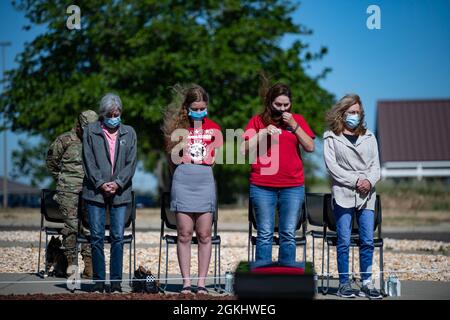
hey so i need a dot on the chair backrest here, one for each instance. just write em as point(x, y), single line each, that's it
point(315, 205)
point(330, 220)
point(252, 217)
point(129, 217)
point(169, 217)
point(378, 215)
point(49, 207)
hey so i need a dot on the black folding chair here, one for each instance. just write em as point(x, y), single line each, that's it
point(130, 220)
point(331, 238)
point(299, 240)
point(168, 220)
point(315, 213)
point(49, 213)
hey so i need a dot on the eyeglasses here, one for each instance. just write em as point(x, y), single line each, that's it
point(353, 112)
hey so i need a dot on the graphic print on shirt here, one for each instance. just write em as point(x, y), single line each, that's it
point(198, 140)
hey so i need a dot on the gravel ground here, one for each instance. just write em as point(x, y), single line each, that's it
point(409, 259)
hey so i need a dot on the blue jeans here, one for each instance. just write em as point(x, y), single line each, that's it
point(344, 228)
point(97, 218)
point(265, 201)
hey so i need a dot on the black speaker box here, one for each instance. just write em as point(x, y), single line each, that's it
point(248, 285)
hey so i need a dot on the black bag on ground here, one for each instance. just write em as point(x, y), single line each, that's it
point(144, 282)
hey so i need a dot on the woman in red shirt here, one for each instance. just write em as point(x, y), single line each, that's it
point(191, 139)
point(277, 178)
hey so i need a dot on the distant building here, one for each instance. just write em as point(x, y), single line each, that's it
point(20, 195)
point(414, 138)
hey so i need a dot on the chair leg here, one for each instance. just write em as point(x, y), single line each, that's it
point(39, 253)
point(304, 254)
point(134, 252)
point(45, 257)
point(159, 258)
point(129, 270)
point(220, 272)
point(323, 264)
point(248, 249)
point(167, 263)
point(383, 289)
point(313, 261)
point(215, 267)
point(328, 269)
point(314, 265)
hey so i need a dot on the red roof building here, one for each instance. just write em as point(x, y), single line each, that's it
point(414, 138)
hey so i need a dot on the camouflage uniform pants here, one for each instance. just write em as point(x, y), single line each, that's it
point(68, 206)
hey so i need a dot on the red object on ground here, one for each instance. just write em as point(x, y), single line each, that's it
point(278, 270)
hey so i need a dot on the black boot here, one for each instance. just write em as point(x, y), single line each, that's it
point(116, 287)
point(98, 287)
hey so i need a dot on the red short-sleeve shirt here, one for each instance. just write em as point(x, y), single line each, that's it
point(281, 164)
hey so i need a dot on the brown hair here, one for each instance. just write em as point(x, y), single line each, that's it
point(176, 113)
point(268, 95)
point(335, 117)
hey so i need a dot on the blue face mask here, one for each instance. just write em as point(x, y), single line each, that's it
point(112, 122)
point(197, 115)
point(352, 121)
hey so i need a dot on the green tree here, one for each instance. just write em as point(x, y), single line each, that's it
point(139, 48)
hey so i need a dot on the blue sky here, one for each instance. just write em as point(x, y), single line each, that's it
point(408, 58)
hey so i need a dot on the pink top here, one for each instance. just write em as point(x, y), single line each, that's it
point(111, 138)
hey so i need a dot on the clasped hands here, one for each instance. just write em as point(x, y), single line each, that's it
point(109, 188)
point(363, 186)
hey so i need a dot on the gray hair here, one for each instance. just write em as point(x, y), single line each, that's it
point(109, 102)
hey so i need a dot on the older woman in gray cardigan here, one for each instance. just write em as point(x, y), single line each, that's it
point(351, 157)
point(109, 160)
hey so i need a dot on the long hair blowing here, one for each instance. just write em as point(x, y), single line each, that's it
point(176, 113)
point(335, 117)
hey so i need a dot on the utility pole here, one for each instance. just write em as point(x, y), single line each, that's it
point(4, 44)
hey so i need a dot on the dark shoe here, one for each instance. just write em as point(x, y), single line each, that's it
point(370, 292)
point(345, 291)
point(98, 287)
point(186, 290)
point(116, 287)
point(202, 290)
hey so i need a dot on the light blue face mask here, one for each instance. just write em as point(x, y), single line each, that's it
point(197, 115)
point(352, 121)
point(112, 122)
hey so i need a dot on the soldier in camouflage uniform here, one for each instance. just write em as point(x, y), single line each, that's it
point(64, 160)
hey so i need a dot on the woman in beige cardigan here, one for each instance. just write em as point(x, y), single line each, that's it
point(351, 157)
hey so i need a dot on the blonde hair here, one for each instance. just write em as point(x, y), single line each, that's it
point(176, 113)
point(335, 117)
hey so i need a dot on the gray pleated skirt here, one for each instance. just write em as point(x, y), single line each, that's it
point(193, 189)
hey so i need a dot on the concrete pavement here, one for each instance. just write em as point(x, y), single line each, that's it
point(25, 283)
